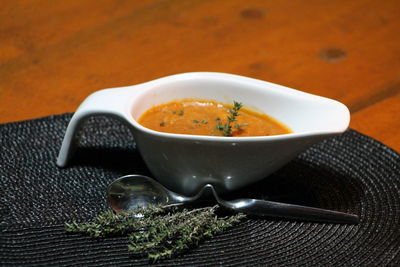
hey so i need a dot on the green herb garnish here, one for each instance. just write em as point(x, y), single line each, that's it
point(226, 128)
point(158, 232)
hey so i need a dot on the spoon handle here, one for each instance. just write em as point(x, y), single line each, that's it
point(289, 211)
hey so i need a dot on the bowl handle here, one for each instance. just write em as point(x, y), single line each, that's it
point(109, 102)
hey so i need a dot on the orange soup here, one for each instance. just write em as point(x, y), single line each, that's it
point(203, 117)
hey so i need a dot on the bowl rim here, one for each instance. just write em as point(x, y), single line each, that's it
point(223, 139)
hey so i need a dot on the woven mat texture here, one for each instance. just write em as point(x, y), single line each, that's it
point(350, 173)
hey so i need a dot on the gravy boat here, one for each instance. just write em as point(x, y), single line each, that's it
point(185, 163)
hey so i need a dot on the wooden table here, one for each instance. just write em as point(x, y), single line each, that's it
point(55, 53)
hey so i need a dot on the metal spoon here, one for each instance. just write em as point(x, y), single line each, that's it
point(132, 191)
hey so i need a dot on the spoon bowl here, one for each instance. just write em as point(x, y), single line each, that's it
point(133, 191)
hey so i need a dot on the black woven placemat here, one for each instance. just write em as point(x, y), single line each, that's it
point(350, 173)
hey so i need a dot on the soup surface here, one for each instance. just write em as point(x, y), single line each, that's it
point(203, 117)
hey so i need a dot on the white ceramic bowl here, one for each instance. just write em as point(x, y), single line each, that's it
point(185, 163)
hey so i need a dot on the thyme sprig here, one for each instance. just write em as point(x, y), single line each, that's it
point(158, 232)
point(227, 127)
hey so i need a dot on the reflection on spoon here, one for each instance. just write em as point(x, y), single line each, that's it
point(132, 191)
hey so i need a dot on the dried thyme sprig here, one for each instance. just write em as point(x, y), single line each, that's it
point(109, 223)
point(158, 232)
point(227, 127)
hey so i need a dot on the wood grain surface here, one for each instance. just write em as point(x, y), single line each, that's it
point(55, 53)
